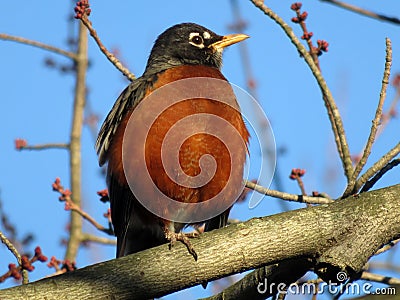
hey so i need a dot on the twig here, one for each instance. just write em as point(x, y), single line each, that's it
point(391, 113)
point(14, 251)
point(380, 164)
point(296, 174)
point(384, 266)
point(379, 278)
point(336, 121)
point(364, 12)
point(72, 206)
point(286, 196)
point(45, 146)
point(387, 247)
point(239, 25)
point(370, 183)
point(375, 123)
point(111, 57)
point(300, 19)
point(315, 52)
point(25, 41)
point(97, 239)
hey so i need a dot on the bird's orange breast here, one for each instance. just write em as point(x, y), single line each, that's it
point(211, 120)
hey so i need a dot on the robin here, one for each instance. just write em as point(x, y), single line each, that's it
point(183, 51)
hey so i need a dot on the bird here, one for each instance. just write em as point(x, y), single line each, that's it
point(183, 51)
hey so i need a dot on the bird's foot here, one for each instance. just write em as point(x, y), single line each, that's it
point(182, 237)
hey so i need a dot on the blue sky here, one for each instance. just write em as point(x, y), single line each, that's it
point(36, 101)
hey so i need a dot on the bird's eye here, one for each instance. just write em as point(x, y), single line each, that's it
point(198, 40)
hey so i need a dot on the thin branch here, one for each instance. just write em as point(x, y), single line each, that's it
point(46, 146)
point(364, 12)
point(72, 206)
point(336, 121)
point(380, 164)
point(47, 47)
point(370, 183)
point(14, 251)
point(391, 112)
point(296, 174)
point(86, 237)
point(111, 57)
point(387, 247)
point(286, 196)
point(375, 122)
point(384, 266)
point(379, 278)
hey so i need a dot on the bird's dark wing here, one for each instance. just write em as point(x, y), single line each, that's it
point(218, 221)
point(128, 99)
point(121, 210)
point(121, 197)
point(133, 233)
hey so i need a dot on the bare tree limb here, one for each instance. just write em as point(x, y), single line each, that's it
point(387, 247)
point(14, 251)
point(25, 41)
point(45, 146)
point(340, 236)
point(336, 121)
point(375, 122)
point(286, 196)
point(370, 183)
point(111, 57)
point(364, 12)
point(75, 143)
point(86, 237)
point(379, 278)
point(74, 207)
point(379, 165)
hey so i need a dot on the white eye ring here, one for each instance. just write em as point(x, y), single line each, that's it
point(206, 35)
point(196, 40)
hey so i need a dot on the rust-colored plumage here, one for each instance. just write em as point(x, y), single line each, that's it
point(175, 56)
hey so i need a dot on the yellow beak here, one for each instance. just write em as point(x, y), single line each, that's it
point(228, 40)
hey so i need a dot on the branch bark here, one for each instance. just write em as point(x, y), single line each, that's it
point(7, 37)
point(340, 236)
point(364, 12)
point(75, 237)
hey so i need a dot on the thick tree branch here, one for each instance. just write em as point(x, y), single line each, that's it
point(341, 236)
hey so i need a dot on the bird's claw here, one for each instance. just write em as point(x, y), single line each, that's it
point(184, 238)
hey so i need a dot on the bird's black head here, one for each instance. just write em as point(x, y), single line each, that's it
point(189, 44)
